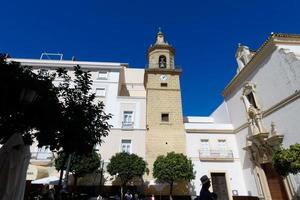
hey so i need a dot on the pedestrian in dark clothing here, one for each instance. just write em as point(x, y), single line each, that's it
point(128, 195)
point(205, 194)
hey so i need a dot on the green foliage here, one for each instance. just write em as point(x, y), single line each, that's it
point(126, 166)
point(75, 124)
point(80, 164)
point(172, 168)
point(84, 121)
point(28, 102)
point(287, 160)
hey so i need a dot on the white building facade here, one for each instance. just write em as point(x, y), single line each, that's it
point(260, 112)
point(122, 91)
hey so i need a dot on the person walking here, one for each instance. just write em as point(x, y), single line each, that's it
point(51, 192)
point(205, 194)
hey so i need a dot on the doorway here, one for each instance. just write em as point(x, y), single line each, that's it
point(275, 182)
point(219, 185)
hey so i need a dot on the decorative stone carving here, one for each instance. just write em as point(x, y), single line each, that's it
point(262, 146)
point(275, 139)
point(253, 110)
point(255, 120)
point(243, 56)
point(273, 129)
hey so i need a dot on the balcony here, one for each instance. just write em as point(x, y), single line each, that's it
point(127, 125)
point(41, 158)
point(216, 155)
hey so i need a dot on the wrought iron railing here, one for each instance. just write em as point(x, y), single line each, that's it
point(127, 125)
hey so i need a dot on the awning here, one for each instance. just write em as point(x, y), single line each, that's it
point(51, 180)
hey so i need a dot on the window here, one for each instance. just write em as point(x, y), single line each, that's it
point(100, 92)
point(126, 146)
point(102, 75)
point(204, 147)
point(251, 99)
point(127, 116)
point(222, 147)
point(165, 117)
point(164, 84)
point(249, 96)
point(127, 120)
point(162, 62)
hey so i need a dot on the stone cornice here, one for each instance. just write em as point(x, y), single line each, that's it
point(266, 49)
point(215, 131)
point(243, 126)
point(250, 67)
point(281, 104)
point(161, 46)
point(163, 71)
point(36, 63)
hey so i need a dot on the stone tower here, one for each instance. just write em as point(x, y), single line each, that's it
point(165, 129)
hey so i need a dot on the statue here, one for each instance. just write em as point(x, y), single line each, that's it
point(243, 56)
point(255, 120)
point(253, 112)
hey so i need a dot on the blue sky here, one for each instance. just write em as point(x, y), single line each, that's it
point(204, 33)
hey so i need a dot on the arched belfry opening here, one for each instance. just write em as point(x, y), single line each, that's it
point(162, 61)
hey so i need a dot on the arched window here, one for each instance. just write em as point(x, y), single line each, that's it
point(162, 62)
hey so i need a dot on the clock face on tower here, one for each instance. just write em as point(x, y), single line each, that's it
point(163, 77)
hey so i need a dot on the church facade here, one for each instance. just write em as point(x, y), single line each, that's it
point(258, 114)
point(233, 146)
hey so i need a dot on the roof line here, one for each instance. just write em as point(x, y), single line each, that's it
point(270, 39)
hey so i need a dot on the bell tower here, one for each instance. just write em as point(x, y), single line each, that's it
point(161, 54)
point(165, 128)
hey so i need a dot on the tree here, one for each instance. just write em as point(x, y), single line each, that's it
point(84, 121)
point(172, 168)
point(80, 165)
point(287, 160)
point(29, 107)
point(28, 102)
point(126, 167)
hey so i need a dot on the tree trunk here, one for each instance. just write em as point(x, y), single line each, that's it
point(60, 176)
point(171, 190)
point(62, 171)
point(65, 185)
point(75, 182)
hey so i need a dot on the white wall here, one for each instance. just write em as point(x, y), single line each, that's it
point(231, 168)
point(245, 164)
point(112, 143)
point(276, 78)
point(221, 115)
